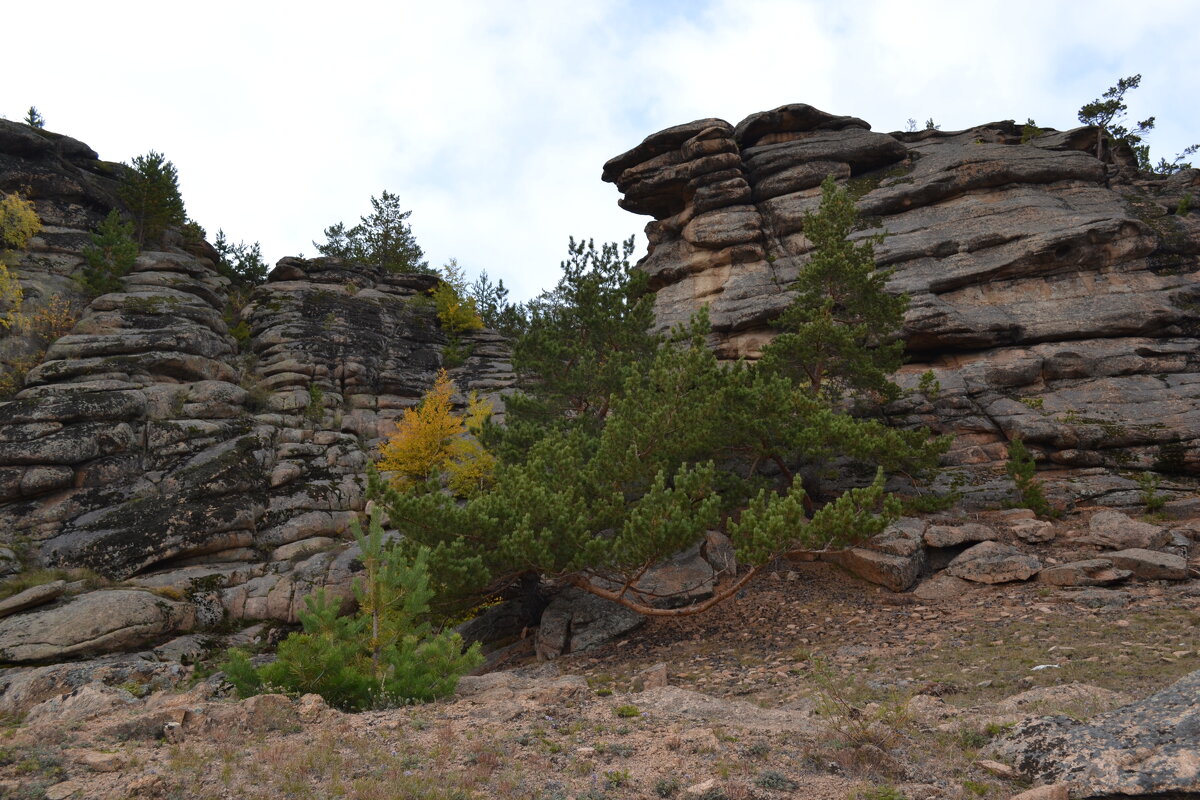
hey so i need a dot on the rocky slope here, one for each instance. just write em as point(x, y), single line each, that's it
point(1053, 295)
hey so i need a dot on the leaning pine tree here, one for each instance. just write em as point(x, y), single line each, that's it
point(624, 449)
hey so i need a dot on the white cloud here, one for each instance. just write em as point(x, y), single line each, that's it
point(492, 120)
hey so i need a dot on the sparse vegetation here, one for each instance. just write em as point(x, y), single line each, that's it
point(1148, 487)
point(1022, 468)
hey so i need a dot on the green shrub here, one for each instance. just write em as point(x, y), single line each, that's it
point(151, 192)
point(627, 711)
point(770, 779)
point(1148, 485)
point(387, 654)
point(1022, 469)
point(109, 257)
point(667, 787)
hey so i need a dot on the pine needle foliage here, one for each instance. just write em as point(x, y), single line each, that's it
point(385, 655)
point(150, 190)
point(383, 238)
point(623, 447)
point(109, 256)
point(841, 333)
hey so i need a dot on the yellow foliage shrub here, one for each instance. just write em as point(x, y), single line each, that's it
point(457, 314)
point(11, 296)
point(433, 440)
point(18, 222)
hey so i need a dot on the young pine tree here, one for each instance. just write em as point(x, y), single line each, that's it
point(386, 654)
point(382, 238)
point(151, 192)
point(841, 334)
point(109, 256)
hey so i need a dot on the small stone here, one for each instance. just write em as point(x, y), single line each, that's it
point(1055, 791)
point(996, 768)
point(102, 762)
point(650, 678)
point(702, 787)
point(1034, 531)
point(61, 791)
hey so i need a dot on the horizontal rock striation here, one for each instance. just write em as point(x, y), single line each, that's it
point(218, 472)
point(1053, 295)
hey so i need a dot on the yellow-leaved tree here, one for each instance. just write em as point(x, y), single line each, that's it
point(434, 440)
point(18, 224)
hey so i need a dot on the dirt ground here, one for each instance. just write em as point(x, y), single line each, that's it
point(801, 686)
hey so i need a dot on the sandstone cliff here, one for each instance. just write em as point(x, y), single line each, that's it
point(1053, 295)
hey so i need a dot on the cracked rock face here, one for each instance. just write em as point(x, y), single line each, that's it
point(1053, 295)
point(1146, 749)
point(151, 445)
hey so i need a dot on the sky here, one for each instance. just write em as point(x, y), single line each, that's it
point(492, 119)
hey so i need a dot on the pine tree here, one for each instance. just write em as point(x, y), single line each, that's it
point(841, 334)
point(151, 192)
point(383, 238)
point(386, 654)
point(623, 448)
point(109, 256)
point(581, 342)
point(242, 263)
point(34, 119)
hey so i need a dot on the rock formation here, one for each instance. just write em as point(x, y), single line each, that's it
point(153, 447)
point(1053, 295)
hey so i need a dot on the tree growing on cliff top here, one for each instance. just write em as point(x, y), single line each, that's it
point(383, 238)
point(1108, 114)
point(150, 190)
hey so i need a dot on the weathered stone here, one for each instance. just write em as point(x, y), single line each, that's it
point(1145, 749)
point(1034, 531)
point(1039, 288)
point(992, 562)
point(1116, 531)
point(953, 535)
point(87, 702)
point(1150, 565)
point(577, 620)
point(1090, 572)
point(31, 597)
point(897, 573)
point(96, 622)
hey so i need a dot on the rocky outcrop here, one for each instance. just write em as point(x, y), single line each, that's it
point(1052, 295)
point(1146, 749)
point(153, 446)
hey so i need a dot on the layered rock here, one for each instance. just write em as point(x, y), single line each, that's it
point(1053, 295)
point(216, 474)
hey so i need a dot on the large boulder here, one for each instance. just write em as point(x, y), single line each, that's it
point(97, 622)
point(1145, 749)
point(993, 562)
point(577, 620)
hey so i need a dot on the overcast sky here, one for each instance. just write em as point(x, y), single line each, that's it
point(491, 120)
